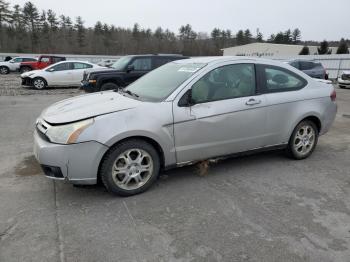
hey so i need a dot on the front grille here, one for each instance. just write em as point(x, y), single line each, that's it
point(345, 77)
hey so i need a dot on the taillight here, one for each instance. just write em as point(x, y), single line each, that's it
point(333, 95)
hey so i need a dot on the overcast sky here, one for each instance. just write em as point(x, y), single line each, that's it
point(317, 20)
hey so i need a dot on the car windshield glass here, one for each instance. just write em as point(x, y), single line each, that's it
point(121, 63)
point(160, 83)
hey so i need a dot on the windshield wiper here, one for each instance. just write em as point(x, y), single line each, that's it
point(127, 92)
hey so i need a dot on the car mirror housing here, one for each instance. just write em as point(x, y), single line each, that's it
point(130, 68)
point(186, 100)
point(50, 70)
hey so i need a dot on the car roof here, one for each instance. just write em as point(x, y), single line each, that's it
point(216, 59)
point(74, 61)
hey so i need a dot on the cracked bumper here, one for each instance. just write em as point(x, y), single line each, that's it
point(78, 162)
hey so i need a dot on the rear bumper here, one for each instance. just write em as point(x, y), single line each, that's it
point(329, 116)
point(76, 163)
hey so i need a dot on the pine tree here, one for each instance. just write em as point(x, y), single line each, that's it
point(32, 19)
point(79, 26)
point(324, 48)
point(305, 51)
point(343, 47)
point(247, 36)
point(240, 37)
point(296, 35)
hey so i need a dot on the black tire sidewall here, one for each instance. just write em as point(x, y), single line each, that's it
point(7, 70)
point(22, 69)
point(108, 161)
point(291, 149)
point(39, 78)
point(109, 86)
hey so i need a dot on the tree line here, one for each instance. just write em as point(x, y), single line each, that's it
point(26, 29)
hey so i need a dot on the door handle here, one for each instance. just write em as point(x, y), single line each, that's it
point(252, 102)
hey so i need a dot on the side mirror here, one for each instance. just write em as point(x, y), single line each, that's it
point(186, 100)
point(50, 70)
point(11, 61)
point(130, 68)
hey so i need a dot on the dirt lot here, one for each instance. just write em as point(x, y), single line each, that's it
point(264, 207)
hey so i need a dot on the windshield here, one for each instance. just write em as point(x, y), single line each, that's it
point(121, 63)
point(161, 82)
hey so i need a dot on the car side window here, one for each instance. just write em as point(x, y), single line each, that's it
point(28, 59)
point(81, 66)
point(225, 82)
point(61, 67)
point(304, 65)
point(278, 79)
point(142, 64)
point(17, 60)
point(45, 59)
point(159, 61)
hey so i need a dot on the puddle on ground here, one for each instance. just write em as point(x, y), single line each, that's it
point(28, 167)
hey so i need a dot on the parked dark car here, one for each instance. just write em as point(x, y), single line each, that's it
point(311, 68)
point(123, 72)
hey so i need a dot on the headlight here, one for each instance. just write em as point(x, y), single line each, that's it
point(68, 134)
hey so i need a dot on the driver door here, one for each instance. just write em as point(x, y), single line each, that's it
point(61, 74)
point(139, 67)
point(227, 115)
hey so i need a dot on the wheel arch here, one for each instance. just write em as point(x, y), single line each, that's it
point(147, 139)
point(314, 117)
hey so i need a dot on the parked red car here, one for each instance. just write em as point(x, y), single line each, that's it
point(43, 61)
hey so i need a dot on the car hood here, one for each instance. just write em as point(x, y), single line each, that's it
point(103, 70)
point(87, 106)
point(30, 73)
point(4, 63)
point(346, 72)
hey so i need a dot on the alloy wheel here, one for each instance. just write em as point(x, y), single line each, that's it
point(39, 83)
point(304, 140)
point(132, 169)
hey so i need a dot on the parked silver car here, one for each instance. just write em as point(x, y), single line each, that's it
point(183, 112)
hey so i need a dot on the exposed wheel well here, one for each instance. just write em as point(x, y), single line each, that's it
point(315, 120)
point(152, 142)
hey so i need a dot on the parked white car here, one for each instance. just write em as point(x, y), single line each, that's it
point(344, 79)
point(66, 73)
point(14, 64)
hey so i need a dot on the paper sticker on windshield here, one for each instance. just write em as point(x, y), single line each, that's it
point(189, 69)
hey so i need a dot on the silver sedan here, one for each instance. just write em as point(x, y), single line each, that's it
point(181, 113)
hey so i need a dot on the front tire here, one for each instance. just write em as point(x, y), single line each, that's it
point(303, 140)
point(130, 167)
point(39, 83)
point(4, 70)
point(109, 86)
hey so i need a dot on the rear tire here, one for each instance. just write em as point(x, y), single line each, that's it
point(25, 69)
point(109, 86)
point(130, 167)
point(303, 140)
point(4, 70)
point(39, 83)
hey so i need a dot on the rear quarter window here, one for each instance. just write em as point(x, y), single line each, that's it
point(278, 79)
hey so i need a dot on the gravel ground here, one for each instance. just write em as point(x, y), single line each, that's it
point(10, 85)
